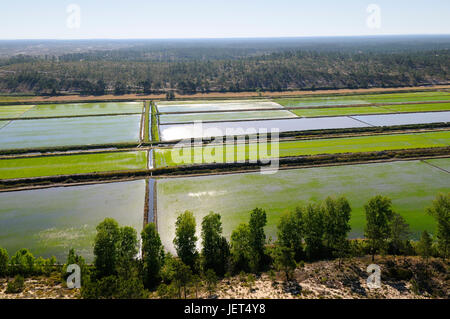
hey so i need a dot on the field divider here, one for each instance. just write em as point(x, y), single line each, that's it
point(146, 203)
point(351, 117)
point(155, 203)
point(435, 166)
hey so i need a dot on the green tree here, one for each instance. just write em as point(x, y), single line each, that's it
point(185, 239)
point(22, 262)
point(258, 221)
point(399, 233)
point(127, 251)
point(73, 258)
point(106, 247)
point(440, 210)
point(152, 255)
point(4, 259)
point(378, 216)
point(425, 245)
point(170, 96)
point(290, 231)
point(182, 276)
point(336, 219)
point(313, 230)
point(211, 281)
point(284, 260)
point(241, 248)
point(215, 250)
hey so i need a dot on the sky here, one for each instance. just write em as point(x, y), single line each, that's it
point(150, 19)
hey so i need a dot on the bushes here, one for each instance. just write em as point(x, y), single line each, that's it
point(4, 259)
point(15, 286)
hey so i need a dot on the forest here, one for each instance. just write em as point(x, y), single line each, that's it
point(188, 67)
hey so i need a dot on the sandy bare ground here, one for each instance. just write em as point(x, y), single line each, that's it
point(217, 95)
point(317, 280)
point(326, 280)
point(40, 288)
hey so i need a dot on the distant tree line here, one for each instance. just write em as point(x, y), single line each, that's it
point(130, 72)
point(312, 232)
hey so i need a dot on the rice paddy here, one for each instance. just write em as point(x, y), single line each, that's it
point(372, 109)
point(51, 221)
point(217, 106)
point(76, 109)
point(220, 153)
point(72, 164)
point(411, 185)
point(19, 134)
point(184, 131)
point(225, 116)
point(13, 111)
point(365, 99)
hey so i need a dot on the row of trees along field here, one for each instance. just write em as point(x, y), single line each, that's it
point(313, 232)
point(278, 71)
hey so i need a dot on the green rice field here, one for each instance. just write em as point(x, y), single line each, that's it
point(51, 110)
point(20, 134)
point(51, 221)
point(72, 164)
point(218, 153)
point(13, 111)
point(412, 186)
point(365, 99)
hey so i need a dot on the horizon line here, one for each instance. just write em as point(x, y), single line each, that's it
point(236, 38)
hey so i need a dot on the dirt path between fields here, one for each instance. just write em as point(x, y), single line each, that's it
point(217, 95)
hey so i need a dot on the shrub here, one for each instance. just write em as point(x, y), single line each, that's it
point(4, 258)
point(15, 286)
point(22, 263)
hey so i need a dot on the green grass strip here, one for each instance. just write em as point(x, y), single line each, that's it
point(155, 131)
point(71, 164)
point(218, 153)
point(147, 121)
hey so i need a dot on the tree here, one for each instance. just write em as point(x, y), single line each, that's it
point(399, 233)
point(215, 250)
point(182, 276)
point(211, 281)
point(127, 251)
point(258, 221)
point(128, 245)
point(73, 258)
point(284, 260)
point(4, 259)
point(240, 247)
point(185, 239)
point(152, 255)
point(106, 247)
point(440, 210)
point(170, 96)
point(22, 262)
point(336, 219)
point(425, 245)
point(290, 231)
point(378, 216)
point(313, 230)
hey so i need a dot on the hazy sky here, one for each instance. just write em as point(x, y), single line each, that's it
point(49, 19)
